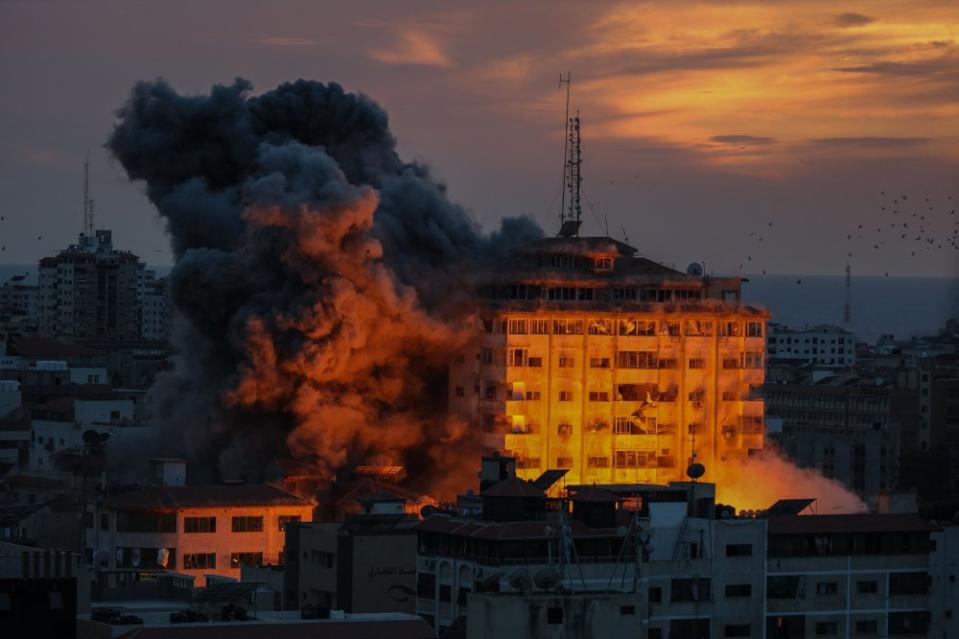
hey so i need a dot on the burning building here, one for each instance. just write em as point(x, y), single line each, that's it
point(615, 367)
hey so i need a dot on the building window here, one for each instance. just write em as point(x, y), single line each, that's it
point(599, 396)
point(655, 595)
point(286, 519)
point(554, 615)
point(696, 589)
point(739, 550)
point(603, 263)
point(238, 559)
point(636, 359)
point(566, 396)
point(199, 561)
point(566, 362)
point(867, 587)
point(867, 627)
point(629, 327)
point(909, 623)
point(147, 521)
point(737, 630)
point(785, 587)
point(199, 524)
point(248, 524)
point(670, 328)
point(517, 327)
point(567, 327)
point(627, 610)
point(730, 329)
point(827, 588)
point(459, 391)
point(539, 327)
point(487, 356)
point(730, 363)
point(564, 462)
point(699, 328)
point(597, 462)
point(600, 327)
point(696, 362)
point(104, 521)
point(534, 362)
point(634, 459)
point(752, 360)
point(599, 362)
point(754, 329)
point(908, 583)
point(738, 590)
point(517, 357)
point(490, 391)
point(532, 396)
point(827, 628)
point(564, 429)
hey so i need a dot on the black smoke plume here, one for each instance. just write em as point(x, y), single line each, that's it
point(316, 283)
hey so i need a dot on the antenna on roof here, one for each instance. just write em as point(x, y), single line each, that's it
point(88, 225)
point(562, 204)
point(574, 181)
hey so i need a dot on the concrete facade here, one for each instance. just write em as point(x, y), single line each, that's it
point(612, 366)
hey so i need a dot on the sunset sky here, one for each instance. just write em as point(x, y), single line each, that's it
point(703, 122)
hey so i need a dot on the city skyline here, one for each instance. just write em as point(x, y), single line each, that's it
point(804, 116)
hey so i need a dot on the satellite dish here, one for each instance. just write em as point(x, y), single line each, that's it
point(547, 579)
point(695, 471)
point(695, 269)
point(520, 580)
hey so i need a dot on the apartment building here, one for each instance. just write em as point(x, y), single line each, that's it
point(667, 562)
point(612, 366)
point(90, 291)
point(194, 530)
point(823, 345)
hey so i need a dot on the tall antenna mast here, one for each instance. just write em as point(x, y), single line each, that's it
point(575, 176)
point(572, 219)
point(562, 204)
point(847, 308)
point(88, 226)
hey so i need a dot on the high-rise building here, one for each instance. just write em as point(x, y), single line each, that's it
point(612, 366)
point(89, 291)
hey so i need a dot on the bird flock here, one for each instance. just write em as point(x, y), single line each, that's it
point(903, 224)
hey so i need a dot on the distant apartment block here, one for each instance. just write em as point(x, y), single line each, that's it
point(89, 291)
point(828, 346)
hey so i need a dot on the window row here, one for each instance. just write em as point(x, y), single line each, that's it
point(627, 327)
point(521, 358)
point(136, 521)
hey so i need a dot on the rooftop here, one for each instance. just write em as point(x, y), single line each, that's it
point(495, 530)
point(172, 497)
point(866, 523)
point(514, 487)
point(41, 347)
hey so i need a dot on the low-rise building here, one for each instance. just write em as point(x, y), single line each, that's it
point(195, 530)
point(364, 564)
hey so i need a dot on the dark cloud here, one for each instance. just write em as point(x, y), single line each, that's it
point(316, 281)
point(742, 140)
point(846, 20)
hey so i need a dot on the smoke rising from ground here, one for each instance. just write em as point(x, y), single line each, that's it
point(313, 283)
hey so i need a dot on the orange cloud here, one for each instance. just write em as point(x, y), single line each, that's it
point(413, 47)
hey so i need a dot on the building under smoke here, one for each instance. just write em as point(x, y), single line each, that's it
point(617, 368)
